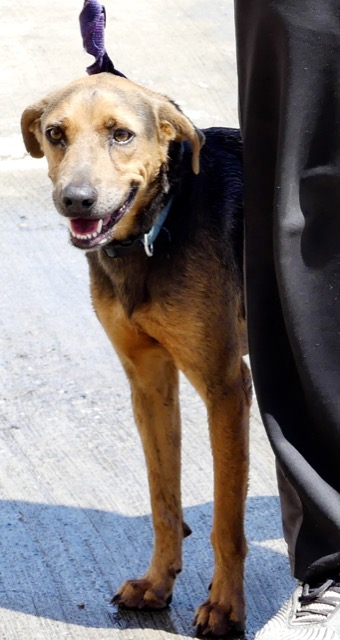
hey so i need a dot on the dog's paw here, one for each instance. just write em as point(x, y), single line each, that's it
point(214, 620)
point(141, 594)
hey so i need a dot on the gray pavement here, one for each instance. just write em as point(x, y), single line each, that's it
point(74, 506)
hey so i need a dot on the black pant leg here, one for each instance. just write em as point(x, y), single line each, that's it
point(288, 55)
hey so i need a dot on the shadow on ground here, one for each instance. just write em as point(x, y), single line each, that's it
point(65, 563)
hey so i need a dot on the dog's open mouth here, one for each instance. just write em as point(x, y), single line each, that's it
point(88, 233)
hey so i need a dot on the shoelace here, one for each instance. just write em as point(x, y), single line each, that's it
point(320, 601)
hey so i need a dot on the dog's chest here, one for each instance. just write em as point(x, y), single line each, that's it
point(141, 283)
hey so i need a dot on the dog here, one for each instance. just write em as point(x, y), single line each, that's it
point(156, 205)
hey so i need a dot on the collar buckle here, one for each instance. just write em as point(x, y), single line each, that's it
point(148, 246)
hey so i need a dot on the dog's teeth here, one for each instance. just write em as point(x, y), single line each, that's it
point(86, 236)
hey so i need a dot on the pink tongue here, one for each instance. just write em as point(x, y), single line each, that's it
point(81, 226)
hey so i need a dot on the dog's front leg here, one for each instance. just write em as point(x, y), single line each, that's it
point(154, 384)
point(153, 378)
point(228, 408)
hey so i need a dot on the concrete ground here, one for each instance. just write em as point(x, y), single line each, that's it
point(74, 506)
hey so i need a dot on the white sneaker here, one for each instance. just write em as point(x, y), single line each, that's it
point(310, 614)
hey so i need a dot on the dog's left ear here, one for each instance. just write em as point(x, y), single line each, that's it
point(174, 125)
point(30, 128)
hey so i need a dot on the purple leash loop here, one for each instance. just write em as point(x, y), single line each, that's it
point(92, 21)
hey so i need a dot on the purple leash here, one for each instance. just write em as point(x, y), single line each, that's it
point(92, 25)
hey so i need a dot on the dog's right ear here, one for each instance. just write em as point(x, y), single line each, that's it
point(31, 128)
point(174, 125)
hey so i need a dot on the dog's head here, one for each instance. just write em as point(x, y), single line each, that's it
point(105, 140)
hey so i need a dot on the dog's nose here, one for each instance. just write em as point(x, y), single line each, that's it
point(78, 198)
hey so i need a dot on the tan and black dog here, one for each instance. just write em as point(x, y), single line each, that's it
point(156, 205)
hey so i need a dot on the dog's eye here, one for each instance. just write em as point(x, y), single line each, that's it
point(55, 135)
point(122, 136)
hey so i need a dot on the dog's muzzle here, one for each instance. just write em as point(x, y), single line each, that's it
point(87, 229)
